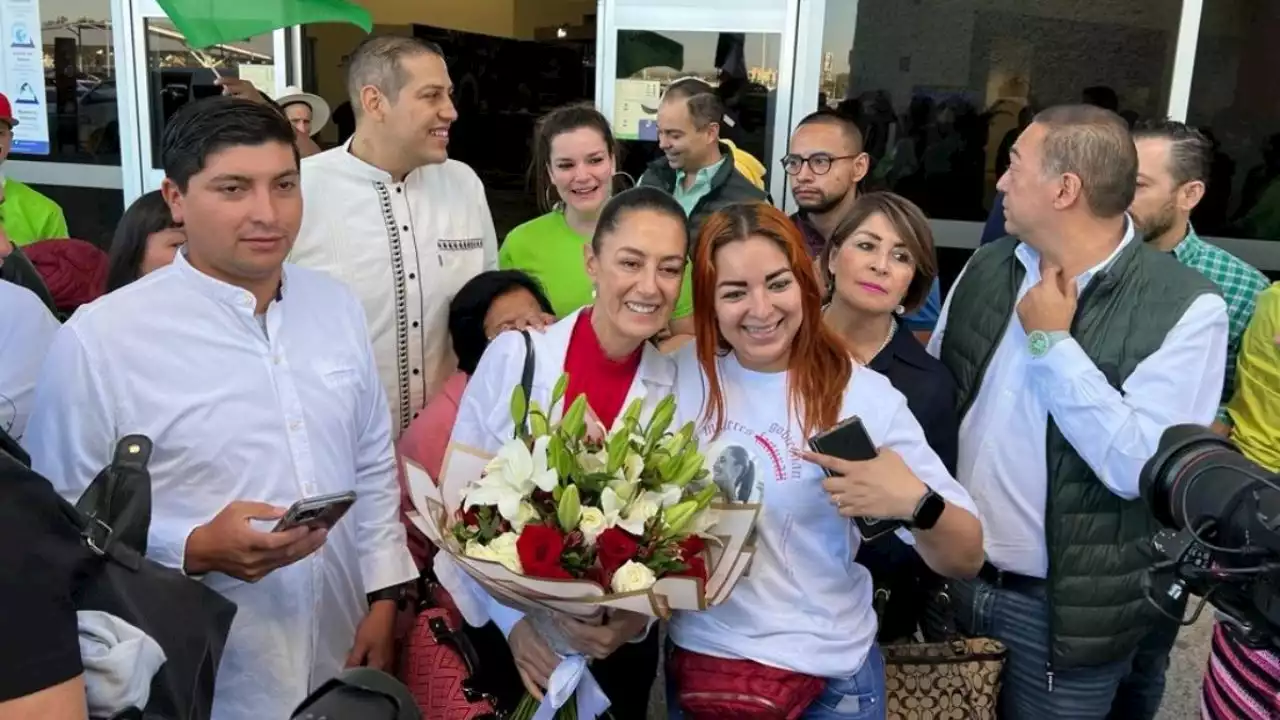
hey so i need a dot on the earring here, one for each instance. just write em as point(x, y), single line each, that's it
point(899, 310)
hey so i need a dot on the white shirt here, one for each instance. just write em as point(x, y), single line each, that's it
point(239, 414)
point(26, 331)
point(1002, 437)
point(805, 605)
point(484, 422)
point(405, 249)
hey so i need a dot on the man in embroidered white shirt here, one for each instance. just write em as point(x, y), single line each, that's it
point(1074, 345)
point(390, 214)
point(257, 385)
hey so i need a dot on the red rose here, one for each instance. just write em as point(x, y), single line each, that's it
point(615, 547)
point(695, 566)
point(691, 554)
point(692, 545)
point(539, 548)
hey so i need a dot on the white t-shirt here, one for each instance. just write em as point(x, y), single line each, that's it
point(26, 331)
point(805, 605)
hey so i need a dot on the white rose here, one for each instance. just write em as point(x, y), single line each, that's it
point(632, 577)
point(591, 524)
point(504, 550)
point(480, 552)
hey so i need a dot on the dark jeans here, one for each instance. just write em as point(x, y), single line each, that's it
point(1140, 692)
point(1021, 621)
point(626, 676)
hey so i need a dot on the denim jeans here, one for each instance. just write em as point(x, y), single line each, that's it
point(857, 697)
point(1020, 620)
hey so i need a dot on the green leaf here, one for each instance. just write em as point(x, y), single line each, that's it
point(562, 383)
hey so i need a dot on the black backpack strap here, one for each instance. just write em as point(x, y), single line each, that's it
point(526, 379)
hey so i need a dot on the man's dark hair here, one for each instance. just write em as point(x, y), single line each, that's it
point(205, 127)
point(1190, 152)
point(147, 215)
point(844, 122)
point(644, 197)
point(1093, 144)
point(377, 61)
point(472, 303)
point(705, 106)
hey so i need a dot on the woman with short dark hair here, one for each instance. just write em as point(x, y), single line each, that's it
point(146, 239)
point(490, 303)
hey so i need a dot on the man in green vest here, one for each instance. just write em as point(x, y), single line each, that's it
point(25, 214)
point(1073, 346)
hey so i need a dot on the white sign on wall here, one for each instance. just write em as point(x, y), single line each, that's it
point(22, 74)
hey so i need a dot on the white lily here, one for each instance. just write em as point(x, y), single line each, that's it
point(593, 462)
point(632, 467)
point(670, 495)
point(525, 514)
point(511, 476)
point(639, 512)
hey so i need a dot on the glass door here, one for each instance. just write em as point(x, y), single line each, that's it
point(745, 48)
point(167, 74)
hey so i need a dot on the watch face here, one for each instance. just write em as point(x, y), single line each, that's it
point(1038, 343)
point(930, 510)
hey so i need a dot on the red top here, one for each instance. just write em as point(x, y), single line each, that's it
point(605, 382)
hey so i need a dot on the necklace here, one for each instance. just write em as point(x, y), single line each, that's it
point(893, 329)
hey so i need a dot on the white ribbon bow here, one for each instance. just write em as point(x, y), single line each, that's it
point(571, 676)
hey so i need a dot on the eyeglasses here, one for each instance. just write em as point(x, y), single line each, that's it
point(819, 163)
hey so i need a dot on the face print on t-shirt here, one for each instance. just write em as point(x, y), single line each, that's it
point(745, 462)
point(734, 470)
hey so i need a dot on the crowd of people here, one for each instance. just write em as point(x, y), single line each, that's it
point(284, 322)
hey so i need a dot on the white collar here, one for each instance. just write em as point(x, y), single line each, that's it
point(218, 290)
point(1030, 257)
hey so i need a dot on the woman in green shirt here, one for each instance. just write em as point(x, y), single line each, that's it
point(574, 165)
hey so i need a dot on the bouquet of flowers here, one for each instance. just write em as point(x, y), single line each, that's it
point(571, 519)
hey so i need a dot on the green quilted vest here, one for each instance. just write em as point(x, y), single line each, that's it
point(1097, 541)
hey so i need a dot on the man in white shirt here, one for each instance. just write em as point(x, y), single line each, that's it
point(390, 214)
point(257, 385)
point(26, 330)
point(1073, 346)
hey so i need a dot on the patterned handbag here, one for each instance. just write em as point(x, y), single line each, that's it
point(957, 679)
point(438, 661)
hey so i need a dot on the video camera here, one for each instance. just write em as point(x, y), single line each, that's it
point(1224, 545)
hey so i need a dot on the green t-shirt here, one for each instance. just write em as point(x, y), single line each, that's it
point(553, 253)
point(27, 216)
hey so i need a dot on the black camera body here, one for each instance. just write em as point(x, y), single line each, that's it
point(1223, 544)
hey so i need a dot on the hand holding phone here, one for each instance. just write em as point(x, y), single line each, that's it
point(318, 513)
point(230, 545)
point(874, 487)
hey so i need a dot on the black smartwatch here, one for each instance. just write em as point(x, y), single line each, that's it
point(397, 593)
point(928, 511)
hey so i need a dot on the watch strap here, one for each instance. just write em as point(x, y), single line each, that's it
point(928, 510)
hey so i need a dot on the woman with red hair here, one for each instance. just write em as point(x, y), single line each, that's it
point(765, 374)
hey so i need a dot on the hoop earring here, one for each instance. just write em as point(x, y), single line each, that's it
point(625, 175)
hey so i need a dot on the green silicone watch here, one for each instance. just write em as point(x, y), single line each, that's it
point(1039, 342)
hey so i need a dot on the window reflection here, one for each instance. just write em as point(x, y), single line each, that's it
point(79, 85)
point(743, 67)
point(941, 90)
point(1235, 99)
point(178, 74)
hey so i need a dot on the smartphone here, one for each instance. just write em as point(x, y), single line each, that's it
point(322, 511)
point(849, 441)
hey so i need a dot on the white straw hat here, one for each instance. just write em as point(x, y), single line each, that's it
point(319, 108)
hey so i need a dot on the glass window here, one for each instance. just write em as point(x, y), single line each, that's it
point(1235, 98)
point(178, 74)
point(58, 70)
point(941, 89)
point(743, 67)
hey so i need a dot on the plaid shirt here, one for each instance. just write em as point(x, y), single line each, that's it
point(1240, 283)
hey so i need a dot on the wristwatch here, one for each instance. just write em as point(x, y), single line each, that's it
point(1039, 342)
point(928, 511)
point(398, 593)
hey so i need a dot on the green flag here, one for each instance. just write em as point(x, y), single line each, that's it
point(212, 22)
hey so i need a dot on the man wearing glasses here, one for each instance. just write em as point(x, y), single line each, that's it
point(825, 163)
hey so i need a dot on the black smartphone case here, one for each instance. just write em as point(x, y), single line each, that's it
point(849, 441)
